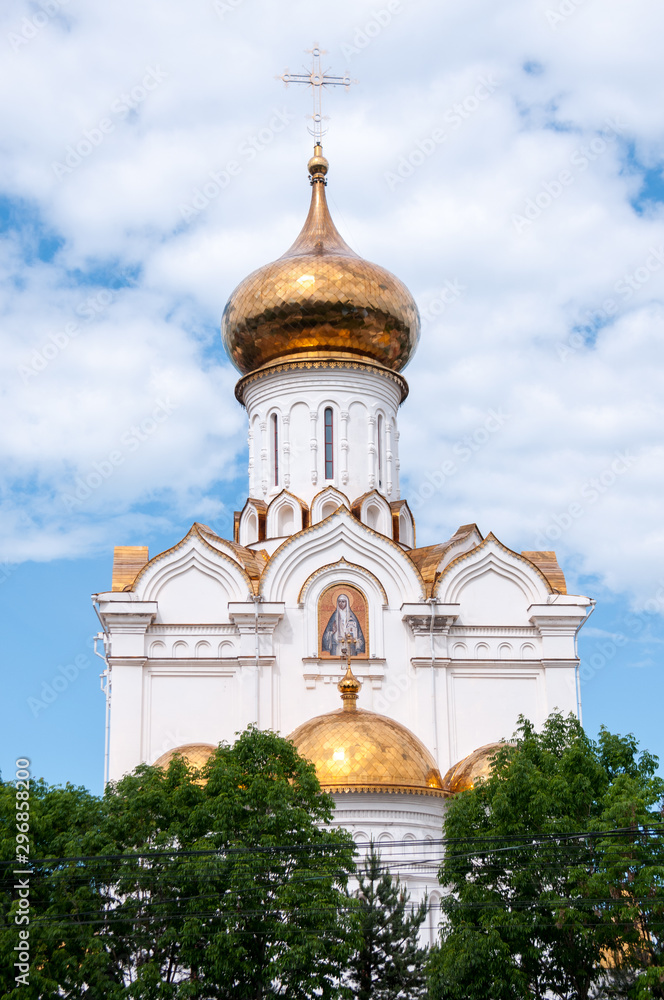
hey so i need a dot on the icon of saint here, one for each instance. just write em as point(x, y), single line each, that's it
point(343, 622)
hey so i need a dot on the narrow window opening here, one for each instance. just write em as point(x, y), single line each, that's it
point(380, 451)
point(329, 444)
point(275, 449)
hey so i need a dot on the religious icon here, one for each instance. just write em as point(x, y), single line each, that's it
point(342, 617)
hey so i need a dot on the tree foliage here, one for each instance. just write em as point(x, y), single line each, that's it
point(534, 910)
point(388, 963)
point(264, 914)
point(65, 950)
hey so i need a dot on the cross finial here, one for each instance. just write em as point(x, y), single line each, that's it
point(348, 686)
point(346, 648)
point(317, 78)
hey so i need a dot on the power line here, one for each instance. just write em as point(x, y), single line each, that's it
point(529, 841)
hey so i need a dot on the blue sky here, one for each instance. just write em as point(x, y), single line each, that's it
point(505, 163)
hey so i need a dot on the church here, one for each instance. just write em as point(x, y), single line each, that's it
point(394, 667)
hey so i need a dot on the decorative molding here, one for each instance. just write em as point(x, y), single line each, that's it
point(316, 668)
point(193, 536)
point(287, 366)
point(511, 631)
point(425, 661)
point(201, 630)
point(344, 565)
point(485, 544)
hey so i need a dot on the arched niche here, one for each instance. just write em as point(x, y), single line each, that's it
point(252, 522)
point(406, 528)
point(326, 502)
point(373, 510)
point(284, 516)
point(339, 577)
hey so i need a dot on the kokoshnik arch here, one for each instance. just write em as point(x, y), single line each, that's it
point(449, 642)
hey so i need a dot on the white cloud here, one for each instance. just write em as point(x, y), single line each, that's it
point(510, 342)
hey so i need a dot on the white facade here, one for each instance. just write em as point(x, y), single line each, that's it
point(195, 654)
point(454, 641)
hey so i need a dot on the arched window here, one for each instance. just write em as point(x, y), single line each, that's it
point(275, 448)
point(381, 461)
point(329, 444)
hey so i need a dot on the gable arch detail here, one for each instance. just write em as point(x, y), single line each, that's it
point(330, 495)
point(224, 575)
point(491, 557)
point(340, 535)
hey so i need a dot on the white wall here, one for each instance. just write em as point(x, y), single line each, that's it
point(299, 398)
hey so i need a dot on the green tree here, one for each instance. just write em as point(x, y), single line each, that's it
point(214, 884)
point(389, 963)
point(65, 950)
point(534, 910)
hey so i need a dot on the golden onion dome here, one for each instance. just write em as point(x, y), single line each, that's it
point(472, 769)
point(320, 300)
point(358, 751)
point(195, 754)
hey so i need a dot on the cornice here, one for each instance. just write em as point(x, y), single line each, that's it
point(321, 363)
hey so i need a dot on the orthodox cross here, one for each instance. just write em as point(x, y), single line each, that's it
point(317, 78)
point(346, 647)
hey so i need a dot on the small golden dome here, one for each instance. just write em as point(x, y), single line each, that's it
point(320, 300)
point(195, 754)
point(473, 768)
point(358, 751)
point(349, 688)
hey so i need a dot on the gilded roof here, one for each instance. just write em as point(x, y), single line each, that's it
point(473, 768)
point(358, 751)
point(253, 561)
point(429, 557)
point(547, 563)
point(320, 299)
point(196, 754)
